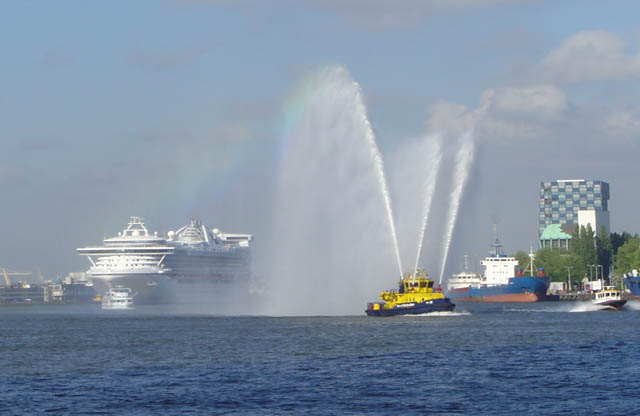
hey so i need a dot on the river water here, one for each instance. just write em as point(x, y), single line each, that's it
point(544, 358)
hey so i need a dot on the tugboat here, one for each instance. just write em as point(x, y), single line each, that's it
point(415, 296)
point(609, 298)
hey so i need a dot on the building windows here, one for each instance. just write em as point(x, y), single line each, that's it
point(560, 201)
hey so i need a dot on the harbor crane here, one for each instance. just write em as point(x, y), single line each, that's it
point(6, 275)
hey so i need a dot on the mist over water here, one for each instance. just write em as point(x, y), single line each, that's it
point(335, 242)
point(335, 245)
point(462, 167)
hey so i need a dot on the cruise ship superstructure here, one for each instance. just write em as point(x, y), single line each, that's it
point(147, 262)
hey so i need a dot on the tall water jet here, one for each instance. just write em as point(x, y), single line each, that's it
point(412, 175)
point(377, 158)
point(429, 187)
point(331, 252)
point(462, 166)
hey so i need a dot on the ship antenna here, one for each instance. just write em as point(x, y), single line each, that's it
point(497, 244)
point(531, 257)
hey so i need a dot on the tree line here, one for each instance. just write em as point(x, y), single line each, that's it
point(589, 255)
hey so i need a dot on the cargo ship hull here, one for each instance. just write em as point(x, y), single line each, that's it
point(633, 284)
point(413, 308)
point(519, 289)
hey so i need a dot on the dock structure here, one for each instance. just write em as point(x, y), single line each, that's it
point(573, 296)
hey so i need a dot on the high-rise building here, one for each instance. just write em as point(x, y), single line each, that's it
point(574, 201)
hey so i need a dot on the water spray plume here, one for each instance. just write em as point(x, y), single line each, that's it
point(330, 249)
point(464, 160)
point(429, 188)
point(377, 158)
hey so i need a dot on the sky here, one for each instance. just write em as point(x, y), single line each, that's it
point(176, 109)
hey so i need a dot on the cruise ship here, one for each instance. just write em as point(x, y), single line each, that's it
point(149, 263)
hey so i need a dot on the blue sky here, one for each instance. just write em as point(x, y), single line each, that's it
point(108, 106)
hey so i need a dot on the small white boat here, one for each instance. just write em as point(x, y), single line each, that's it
point(118, 298)
point(609, 298)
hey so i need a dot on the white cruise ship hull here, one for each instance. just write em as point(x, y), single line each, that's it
point(147, 288)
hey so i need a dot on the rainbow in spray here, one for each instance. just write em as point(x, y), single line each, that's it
point(331, 198)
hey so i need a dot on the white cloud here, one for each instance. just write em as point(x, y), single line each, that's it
point(504, 114)
point(536, 113)
point(623, 125)
point(589, 56)
point(541, 101)
point(448, 117)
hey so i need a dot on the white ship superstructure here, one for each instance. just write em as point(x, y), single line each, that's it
point(118, 298)
point(146, 262)
point(498, 267)
point(464, 279)
point(133, 252)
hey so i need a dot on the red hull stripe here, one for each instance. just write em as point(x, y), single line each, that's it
point(514, 297)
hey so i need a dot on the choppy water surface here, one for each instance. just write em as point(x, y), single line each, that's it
point(488, 359)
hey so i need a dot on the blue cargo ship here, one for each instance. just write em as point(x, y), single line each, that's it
point(503, 281)
point(632, 282)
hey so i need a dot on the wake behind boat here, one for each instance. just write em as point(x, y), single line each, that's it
point(415, 296)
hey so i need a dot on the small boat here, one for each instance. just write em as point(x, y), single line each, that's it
point(118, 298)
point(415, 296)
point(609, 298)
